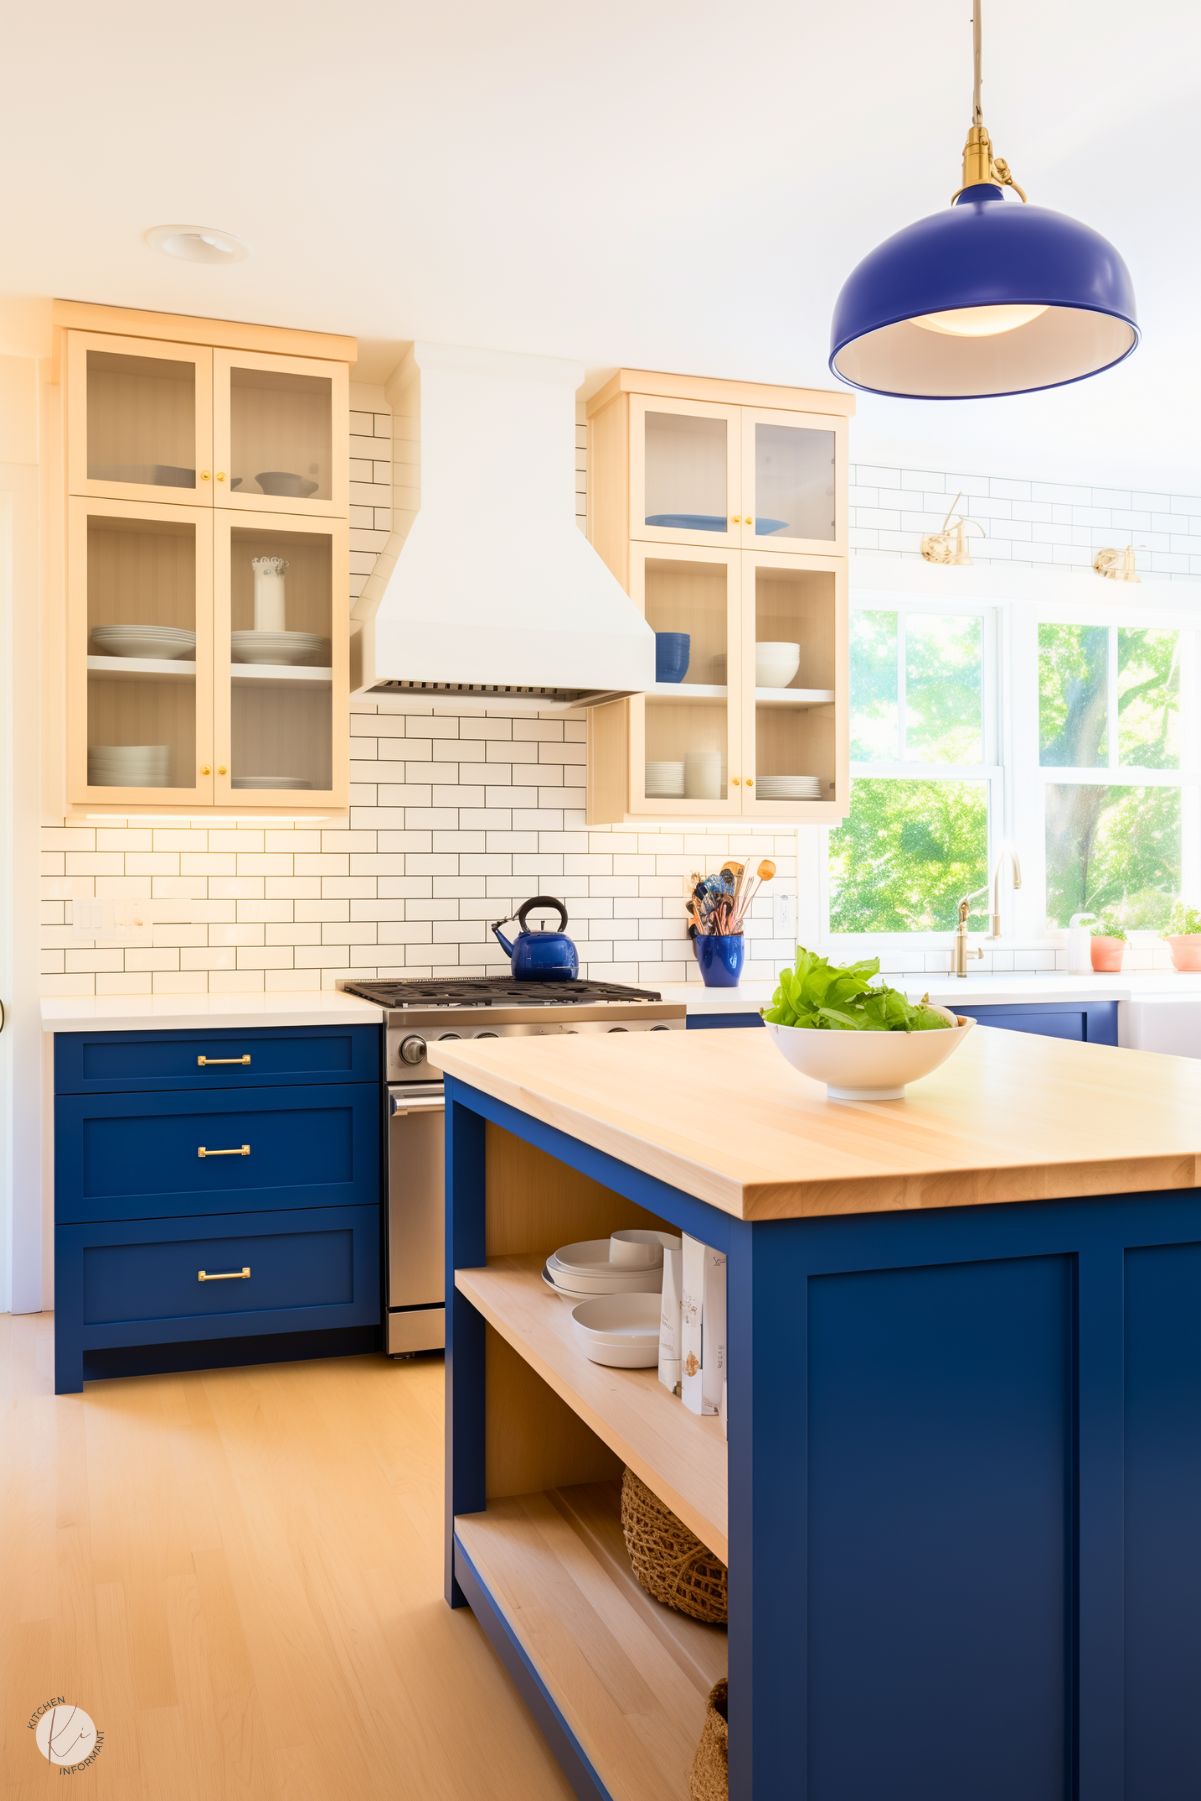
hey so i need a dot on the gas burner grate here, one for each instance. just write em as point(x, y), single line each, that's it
point(491, 991)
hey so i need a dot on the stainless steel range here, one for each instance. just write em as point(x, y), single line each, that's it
point(418, 1012)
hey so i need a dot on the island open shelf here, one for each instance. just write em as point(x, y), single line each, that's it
point(675, 1452)
point(629, 1677)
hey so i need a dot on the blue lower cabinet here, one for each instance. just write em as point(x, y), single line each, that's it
point(126, 1156)
point(1084, 1022)
point(701, 1022)
point(222, 1276)
point(199, 1222)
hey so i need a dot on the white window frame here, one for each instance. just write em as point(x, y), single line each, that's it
point(1014, 603)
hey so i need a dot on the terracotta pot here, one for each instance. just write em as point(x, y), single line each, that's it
point(1107, 954)
point(1186, 951)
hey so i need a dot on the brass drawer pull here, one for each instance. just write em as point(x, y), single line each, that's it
point(213, 1062)
point(239, 1150)
point(224, 1275)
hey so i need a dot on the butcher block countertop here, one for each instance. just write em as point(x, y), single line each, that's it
point(1009, 1117)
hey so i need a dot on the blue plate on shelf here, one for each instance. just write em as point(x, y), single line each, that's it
point(709, 522)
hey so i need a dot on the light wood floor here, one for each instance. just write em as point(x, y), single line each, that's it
point(238, 1575)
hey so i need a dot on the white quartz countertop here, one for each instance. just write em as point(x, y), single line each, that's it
point(975, 990)
point(177, 1012)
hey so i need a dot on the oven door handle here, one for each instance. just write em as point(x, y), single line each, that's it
point(400, 1104)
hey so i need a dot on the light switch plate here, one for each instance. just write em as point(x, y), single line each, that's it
point(783, 914)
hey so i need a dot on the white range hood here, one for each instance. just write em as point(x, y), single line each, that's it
point(488, 595)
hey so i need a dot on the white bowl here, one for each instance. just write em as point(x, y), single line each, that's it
point(586, 1256)
point(776, 663)
point(638, 1249)
point(612, 1281)
point(620, 1330)
point(571, 1295)
point(867, 1066)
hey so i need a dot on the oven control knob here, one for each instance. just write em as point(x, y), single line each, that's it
point(443, 1036)
point(619, 1028)
point(412, 1050)
point(660, 1028)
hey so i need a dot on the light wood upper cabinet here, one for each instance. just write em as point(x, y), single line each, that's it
point(207, 567)
point(722, 508)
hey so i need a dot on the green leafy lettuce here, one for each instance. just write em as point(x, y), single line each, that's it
point(817, 994)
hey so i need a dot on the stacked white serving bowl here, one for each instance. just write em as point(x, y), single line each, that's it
point(776, 663)
point(626, 1263)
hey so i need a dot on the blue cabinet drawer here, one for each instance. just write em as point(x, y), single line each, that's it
point(1085, 1022)
point(220, 1277)
point(108, 1062)
point(142, 1156)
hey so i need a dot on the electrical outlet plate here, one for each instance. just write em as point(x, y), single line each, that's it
point(783, 914)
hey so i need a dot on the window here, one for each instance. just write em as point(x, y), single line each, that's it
point(923, 770)
point(1071, 735)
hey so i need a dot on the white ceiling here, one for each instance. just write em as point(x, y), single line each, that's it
point(664, 183)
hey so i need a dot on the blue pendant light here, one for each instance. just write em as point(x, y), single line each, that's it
point(989, 297)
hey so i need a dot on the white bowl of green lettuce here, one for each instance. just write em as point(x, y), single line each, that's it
point(864, 1040)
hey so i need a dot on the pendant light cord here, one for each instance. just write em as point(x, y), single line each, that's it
point(977, 108)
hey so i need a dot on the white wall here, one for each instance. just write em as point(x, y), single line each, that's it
point(456, 819)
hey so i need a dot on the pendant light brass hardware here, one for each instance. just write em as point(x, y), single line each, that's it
point(224, 1275)
point(950, 544)
point(237, 1150)
point(1117, 565)
point(979, 163)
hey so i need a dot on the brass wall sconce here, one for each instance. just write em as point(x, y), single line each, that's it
point(1117, 565)
point(950, 544)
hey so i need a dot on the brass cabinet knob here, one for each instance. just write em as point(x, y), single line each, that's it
point(747, 520)
point(733, 518)
point(206, 769)
point(204, 475)
point(220, 475)
point(734, 782)
point(750, 781)
point(221, 769)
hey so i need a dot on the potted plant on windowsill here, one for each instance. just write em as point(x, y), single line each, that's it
point(1183, 934)
point(1108, 945)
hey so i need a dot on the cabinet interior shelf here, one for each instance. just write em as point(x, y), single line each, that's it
point(764, 697)
point(677, 1453)
point(629, 1676)
point(171, 669)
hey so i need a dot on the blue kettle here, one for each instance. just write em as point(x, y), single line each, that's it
point(540, 956)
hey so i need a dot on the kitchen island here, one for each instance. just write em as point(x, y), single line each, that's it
point(960, 1496)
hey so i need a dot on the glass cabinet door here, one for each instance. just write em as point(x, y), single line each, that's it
point(280, 433)
point(140, 654)
point(795, 658)
point(793, 477)
point(139, 425)
point(684, 472)
point(281, 655)
point(684, 733)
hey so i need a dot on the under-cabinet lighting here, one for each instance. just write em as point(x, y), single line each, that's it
point(209, 819)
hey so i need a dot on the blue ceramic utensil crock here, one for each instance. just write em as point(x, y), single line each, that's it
point(672, 651)
point(720, 959)
point(540, 956)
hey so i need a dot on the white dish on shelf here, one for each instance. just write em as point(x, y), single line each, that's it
point(270, 781)
point(128, 765)
point(570, 1295)
point(143, 641)
point(776, 663)
point(790, 787)
point(702, 774)
point(665, 780)
point(278, 647)
point(614, 1281)
point(636, 1248)
point(619, 1330)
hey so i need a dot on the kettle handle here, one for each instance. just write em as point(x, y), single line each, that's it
point(541, 900)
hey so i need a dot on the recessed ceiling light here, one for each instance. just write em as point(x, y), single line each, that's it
point(197, 243)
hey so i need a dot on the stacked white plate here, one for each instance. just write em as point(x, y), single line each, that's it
point(279, 647)
point(790, 787)
point(665, 780)
point(619, 1330)
point(270, 781)
point(143, 641)
point(128, 765)
point(578, 1271)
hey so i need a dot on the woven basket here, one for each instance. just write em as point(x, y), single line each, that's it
point(710, 1777)
point(670, 1562)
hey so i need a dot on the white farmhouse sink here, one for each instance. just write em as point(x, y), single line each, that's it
point(1162, 1022)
